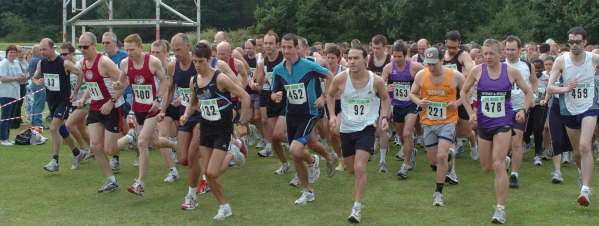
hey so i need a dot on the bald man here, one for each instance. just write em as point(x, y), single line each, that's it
point(224, 53)
point(54, 73)
point(422, 45)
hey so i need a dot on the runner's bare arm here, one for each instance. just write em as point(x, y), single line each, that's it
point(170, 72)
point(467, 86)
point(459, 83)
point(415, 90)
point(243, 73)
point(38, 74)
point(225, 69)
point(224, 83)
point(555, 74)
point(466, 61)
point(333, 91)
point(381, 91)
point(70, 67)
point(165, 81)
point(260, 74)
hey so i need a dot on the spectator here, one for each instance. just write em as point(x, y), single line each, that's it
point(38, 100)
point(10, 77)
point(22, 89)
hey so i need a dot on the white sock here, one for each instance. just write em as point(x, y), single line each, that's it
point(500, 207)
point(383, 154)
point(191, 191)
point(203, 176)
point(357, 205)
point(515, 173)
point(174, 169)
point(584, 187)
point(112, 178)
point(285, 164)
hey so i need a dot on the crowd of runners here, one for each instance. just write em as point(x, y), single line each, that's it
point(204, 108)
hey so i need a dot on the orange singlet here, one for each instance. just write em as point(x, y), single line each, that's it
point(440, 95)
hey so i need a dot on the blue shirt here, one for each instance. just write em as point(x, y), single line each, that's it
point(301, 86)
point(118, 57)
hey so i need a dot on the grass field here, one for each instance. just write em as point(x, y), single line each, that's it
point(31, 196)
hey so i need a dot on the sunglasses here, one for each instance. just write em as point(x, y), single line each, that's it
point(575, 42)
point(154, 52)
point(83, 47)
point(106, 43)
point(64, 54)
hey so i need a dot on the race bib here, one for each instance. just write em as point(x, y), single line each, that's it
point(540, 93)
point(436, 111)
point(209, 109)
point(268, 80)
point(52, 82)
point(401, 92)
point(452, 66)
point(143, 94)
point(184, 96)
point(252, 73)
point(582, 91)
point(360, 108)
point(296, 93)
point(94, 91)
point(493, 106)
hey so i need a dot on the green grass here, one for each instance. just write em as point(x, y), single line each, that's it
point(31, 196)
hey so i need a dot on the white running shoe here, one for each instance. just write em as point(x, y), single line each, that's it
point(238, 157)
point(266, 152)
point(498, 216)
point(171, 177)
point(283, 169)
point(136, 188)
point(114, 164)
point(584, 199)
point(557, 178)
point(108, 186)
point(305, 198)
point(190, 202)
point(382, 167)
point(224, 211)
point(438, 199)
point(537, 161)
point(52, 166)
point(77, 159)
point(295, 181)
point(355, 215)
point(7, 143)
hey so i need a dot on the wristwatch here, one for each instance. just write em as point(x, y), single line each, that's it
point(113, 100)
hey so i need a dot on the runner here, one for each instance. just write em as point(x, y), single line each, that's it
point(333, 58)
point(144, 72)
point(212, 90)
point(270, 110)
point(422, 45)
point(458, 59)
point(360, 91)
point(399, 75)
point(494, 116)
point(252, 58)
point(53, 72)
point(105, 116)
point(75, 123)
point(298, 77)
point(116, 54)
point(376, 62)
point(578, 105)
point(512, 53)
point(435, 91)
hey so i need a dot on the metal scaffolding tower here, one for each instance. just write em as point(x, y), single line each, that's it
point(75, 22)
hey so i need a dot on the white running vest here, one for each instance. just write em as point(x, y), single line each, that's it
point(517, 94)
point(580, 99)
point(359, 107)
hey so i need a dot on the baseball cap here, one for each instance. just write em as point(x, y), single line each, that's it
point(431, 55)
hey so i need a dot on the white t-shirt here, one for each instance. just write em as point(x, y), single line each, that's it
point(8, 69)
